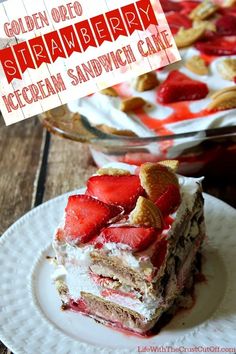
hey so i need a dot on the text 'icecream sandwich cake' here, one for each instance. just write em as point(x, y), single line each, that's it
point(128, 247)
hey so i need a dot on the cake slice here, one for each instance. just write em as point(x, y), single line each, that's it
point(127, 249)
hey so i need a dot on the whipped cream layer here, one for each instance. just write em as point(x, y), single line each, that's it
point(76, 269)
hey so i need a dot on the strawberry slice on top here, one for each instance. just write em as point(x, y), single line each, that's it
point(180, 87)
point(169, 201)
point(138, 238)
point(85, 216)
point(118, 190)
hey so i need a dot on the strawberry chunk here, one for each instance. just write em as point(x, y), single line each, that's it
point(188, 6)
point(118, 190)
point(138, 238)
point(228, 10)
point(217, 46)
point(168, 6)
point(226, 25)
point(177, 20)
point(169, 201)
point(85, 216)
point(160, 253)
point(179, 87)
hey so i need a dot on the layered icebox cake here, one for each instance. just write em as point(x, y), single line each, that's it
point(127, 249)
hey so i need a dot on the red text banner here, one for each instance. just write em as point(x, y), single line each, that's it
point(62, 51)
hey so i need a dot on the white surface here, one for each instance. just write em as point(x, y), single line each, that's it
point(30, 316)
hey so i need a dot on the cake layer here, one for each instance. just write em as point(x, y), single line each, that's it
point(133, 279)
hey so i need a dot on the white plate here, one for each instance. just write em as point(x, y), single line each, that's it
point(30, 317)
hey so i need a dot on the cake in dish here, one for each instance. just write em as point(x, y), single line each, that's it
point(126, 251)
point(193, 95)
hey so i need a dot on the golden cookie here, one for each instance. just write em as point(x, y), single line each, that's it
point(172, 164)
point(223, 99)
point(146, 82)
point(186, 37)
point(197, 65)
point(155, 178)
point(227, 69)
point(109, 91)
point(146, 213)
point(112, 172)
point(132, 103)
point(204, 10)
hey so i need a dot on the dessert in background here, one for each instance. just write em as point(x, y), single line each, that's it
point(126, 252)
point(196, 94)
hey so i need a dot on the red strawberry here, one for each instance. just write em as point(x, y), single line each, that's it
point(177, 20)
point(228, 10)
point(235, 79)
point(160, 252)
point(179, 87)
point(169, 200)
point(217, 46)
point(118, 190)
point(188, 6)
point(138, 238)
point(226, 25)
point(84, 217)
point(168, 6)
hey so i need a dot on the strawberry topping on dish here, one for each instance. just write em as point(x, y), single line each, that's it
point(169, 201)
point(218, 46)
point(85, 216)
point(179, 87)
point(118, 190)
point(226, 25)
point(138, 238)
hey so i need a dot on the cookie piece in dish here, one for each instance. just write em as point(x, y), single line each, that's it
point(127, 248)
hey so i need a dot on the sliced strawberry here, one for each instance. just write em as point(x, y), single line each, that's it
point(85, 216)
point(188, 6)
point(168, 6)
point(235, 79)
point(169, 201)
point(217, 46)
point(179, 87)
point(118, 190)
point(228, 10)
point(138, 238)
point(177, 20)
point(226, 25)
point(160, 253)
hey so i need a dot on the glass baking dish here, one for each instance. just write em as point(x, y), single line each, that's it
point(208, 149)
